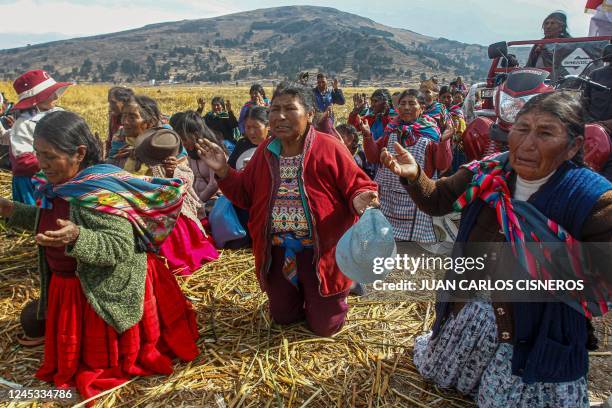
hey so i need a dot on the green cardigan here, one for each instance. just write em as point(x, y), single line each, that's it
point(111, 271)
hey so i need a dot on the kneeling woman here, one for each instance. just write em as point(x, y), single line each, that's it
point(520, 354)
point(186, 248)
point(113, 309)
point(303, 191)
point(419, 134)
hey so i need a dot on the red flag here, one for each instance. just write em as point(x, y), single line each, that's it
point(593, 4)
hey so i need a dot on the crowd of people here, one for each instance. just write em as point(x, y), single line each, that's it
point(116, 221)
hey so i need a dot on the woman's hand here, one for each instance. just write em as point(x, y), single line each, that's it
point(358, 102)
point(448, 132)
point(329, 112)
point(364, 127)
point(365, 200)
point(6, 207)
point(10, 121)
point(124, 152)
point(66, 235)
point(169, 165)
point(401, 164)
point(214, 156)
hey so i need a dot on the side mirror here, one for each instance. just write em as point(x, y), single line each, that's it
point(498, 50)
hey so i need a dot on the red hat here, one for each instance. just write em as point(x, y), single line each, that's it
point(36, 86)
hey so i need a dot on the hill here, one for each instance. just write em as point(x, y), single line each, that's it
point(255, 45)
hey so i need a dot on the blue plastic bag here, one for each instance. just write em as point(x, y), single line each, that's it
point(224, 223)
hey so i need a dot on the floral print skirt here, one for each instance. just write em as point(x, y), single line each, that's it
point(499, 388)
point(461, 351)
point(466, 356)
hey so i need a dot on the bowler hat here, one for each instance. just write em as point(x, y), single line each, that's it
point(156, 144)
point(33, 327)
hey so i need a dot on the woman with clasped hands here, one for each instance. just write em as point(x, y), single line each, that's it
point(111, 307)
point(303, 190)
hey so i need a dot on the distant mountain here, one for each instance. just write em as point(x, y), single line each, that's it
point(262, 44)
point(12, 40)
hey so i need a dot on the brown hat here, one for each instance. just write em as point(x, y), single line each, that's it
point(32, 326)
point(156, 144)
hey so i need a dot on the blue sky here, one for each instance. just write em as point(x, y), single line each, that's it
point(471, 21)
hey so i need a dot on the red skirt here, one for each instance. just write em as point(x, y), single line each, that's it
point(186, 248)
point(83, 351)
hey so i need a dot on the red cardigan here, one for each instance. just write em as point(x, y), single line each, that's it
point(330, 179)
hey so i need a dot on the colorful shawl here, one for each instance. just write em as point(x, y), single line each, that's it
point(222, 115)
point(249, 104)
point(456, 111)
point(458, 118)
point(408, 133)
point(151, 204)
point(524, 225)
point(439, 113)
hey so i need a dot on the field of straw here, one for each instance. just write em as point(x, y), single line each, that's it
point(90, 100)
point(246, 360)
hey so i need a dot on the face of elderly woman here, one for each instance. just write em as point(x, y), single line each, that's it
point(539, 144)
point(289, 118)
point(409, 109)
point(133, 123)
point(552, 27)
point(57, 165)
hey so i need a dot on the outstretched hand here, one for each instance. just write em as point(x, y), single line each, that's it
point(66, 235)
point(214, 156)
point(359, 102)
point(402, 163)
